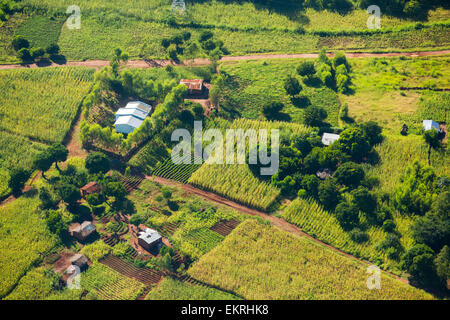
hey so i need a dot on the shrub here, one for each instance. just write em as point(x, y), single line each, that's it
point(292, 86)
point(358, 236)
point(18, 178)
point(97, 162)
point(349, 174)
point(24, 55)
point(306, 69)
point(347, 215)
point(19, 42)
point(37, 53)
point(328, 193)
point(365, 201)
point(314, 116)
point(52, 49)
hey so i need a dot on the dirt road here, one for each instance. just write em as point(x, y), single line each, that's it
point(202, 61)
point(275, 221)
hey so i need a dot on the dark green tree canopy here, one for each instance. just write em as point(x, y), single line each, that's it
point(349, 174)
point(314, 116)
point(97, 162)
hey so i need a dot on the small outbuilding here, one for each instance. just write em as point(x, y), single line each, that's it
point(430, 124)
point(127, 124)
point(83, 231)
point(195, 86)
point(329, 138)
point(80, 261)
point(149, 239)
point(90, 188)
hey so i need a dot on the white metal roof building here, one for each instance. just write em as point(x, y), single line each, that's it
point(149, 238)
point(329, 138)
point(430, 124)
point(126, 124)
point(135, 112)
point(139, 105)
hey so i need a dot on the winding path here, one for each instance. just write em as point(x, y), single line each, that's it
point(203, 61)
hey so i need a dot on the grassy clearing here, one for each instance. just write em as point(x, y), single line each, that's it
point(108, 284)
point(170, 289)
point(377, 96)
point(23, 241)
point(254, 83)
point(261, 262)
point(40, 31)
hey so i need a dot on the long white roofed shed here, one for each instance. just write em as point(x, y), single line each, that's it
point(329, 138)
point(135, 112)
point(430, 124)
point(139, 105)
point(126, 124)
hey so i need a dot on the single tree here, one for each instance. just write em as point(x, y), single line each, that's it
point(292, 86)
point(328, 193)
point(349, 174)
point(17, 179)
point(58, 152)
point(43, 162)
point(69, 194)
point(306, 69)
point(314, 116)
point(97, 162)
point(347, 215)
point(20, 42)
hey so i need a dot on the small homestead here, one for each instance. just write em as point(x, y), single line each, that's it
point(194, 86)
point(132, 116)
point(90, 188)
point(329, 138)
point(82, 231)
point(149, 239)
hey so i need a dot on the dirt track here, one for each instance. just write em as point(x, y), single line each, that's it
point(277, 222)
point(202, 61)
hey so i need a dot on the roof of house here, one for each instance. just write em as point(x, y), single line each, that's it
point(150, 236)
point(91, 187)
point(79, 260)
point(329, 138)
point(429, 124)
point(86, 228)
point(136, 112)
point(130, 120)
point(140, 105)
point(192, 84)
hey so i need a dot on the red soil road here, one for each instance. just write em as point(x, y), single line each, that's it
point(277, 222)
point(202, 61)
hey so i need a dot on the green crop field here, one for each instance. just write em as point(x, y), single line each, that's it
point(170, 289)
point(261, 262)
point(23, 241)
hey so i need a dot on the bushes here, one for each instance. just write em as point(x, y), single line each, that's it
point(347, 215)
point(349, 174)
point(18, 178)
point(314, 116)
point(19, 42)
point(97, 162)
point(328, 193)
point(358, 236)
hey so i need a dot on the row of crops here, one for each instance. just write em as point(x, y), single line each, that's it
point(203, 239)
point(314, 220)
point(179, 172)
point(108, 284)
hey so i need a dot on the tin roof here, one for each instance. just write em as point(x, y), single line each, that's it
point(150, 236)
point(192, 84)
point(130, 120)
point(140, 105)
point(329, 138)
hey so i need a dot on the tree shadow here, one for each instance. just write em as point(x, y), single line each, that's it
point(300, 101)
point(313, 81)
point(58, 59)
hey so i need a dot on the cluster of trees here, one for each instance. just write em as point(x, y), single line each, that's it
point(27, 54)
point(213, 48)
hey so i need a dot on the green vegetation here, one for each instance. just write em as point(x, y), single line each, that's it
point(24, 239)
point(106, 284)
point(170, 289)
point(260, 262)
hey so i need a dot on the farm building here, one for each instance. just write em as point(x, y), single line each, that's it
point(195, 86)
point(149, 239)
point(127, 124)
point(329, 138)
point(132, 116)
point(135, 112)
point(90, 188)
point(430, 124)
point(139, 105)
point(80, 261)
point(83, 231)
